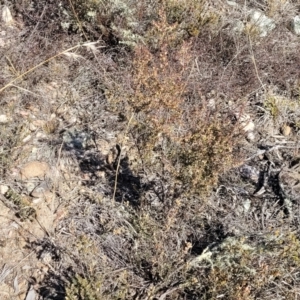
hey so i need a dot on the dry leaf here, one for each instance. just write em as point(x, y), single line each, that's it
point(73, 56)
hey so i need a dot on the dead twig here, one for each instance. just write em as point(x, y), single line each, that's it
point(119, 159)
point(260, 152)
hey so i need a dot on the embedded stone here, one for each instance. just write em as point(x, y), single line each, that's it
point(34, 169)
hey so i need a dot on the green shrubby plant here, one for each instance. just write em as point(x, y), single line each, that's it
point(281, 110)
point(242, 268)
point(82, 288)
point(192, 16)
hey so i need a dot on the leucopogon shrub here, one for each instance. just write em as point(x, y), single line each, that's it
point(174, 125)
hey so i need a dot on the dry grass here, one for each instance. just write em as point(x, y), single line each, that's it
point(140, 102)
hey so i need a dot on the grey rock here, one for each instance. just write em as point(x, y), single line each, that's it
point(264, 24)
point(237, 26)
point(294, 25)
point(40, 191)
point(250, 173)
point(75, 139)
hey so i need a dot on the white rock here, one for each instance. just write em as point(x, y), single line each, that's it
point(26, 139)
point(212, 104)
point(251, 136)
point(34, 150)
point(295, 25)
point(249, 127)
point(92, 14)
point(262, 22)
point(6, 16)
point(246, 122)
point(41, 135)
point(247, 205)
point(231, 3)
point(3, 189)
point(65, 25)
point(3, 119)
point(32, 127)
point(37, 200)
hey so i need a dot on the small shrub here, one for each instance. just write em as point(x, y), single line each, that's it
point(240, 268)
point(282, 109)
point(83, 289)
point(191, 141)
point(192, 15)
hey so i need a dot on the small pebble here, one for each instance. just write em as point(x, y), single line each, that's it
point(3, 189)
point(32, 127)
point(34, 150)
point(3, 119)
point(286, 130)
point(251, 136)
point(30, 186)
point(26, 139)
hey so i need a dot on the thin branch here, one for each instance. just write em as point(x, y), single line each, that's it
point(254, 63)
point(119, 159)
point(79, 23)
point(260, 152)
